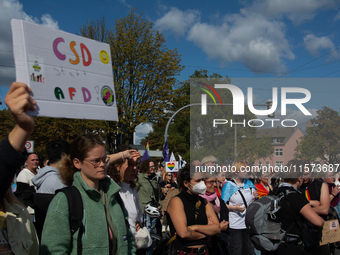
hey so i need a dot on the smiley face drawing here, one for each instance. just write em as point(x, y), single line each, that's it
point(107, 95)
point(104, 57)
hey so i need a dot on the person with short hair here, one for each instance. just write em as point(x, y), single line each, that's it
point(147, 187)
point(294, 205)
point(48, 178)
point(238, 193)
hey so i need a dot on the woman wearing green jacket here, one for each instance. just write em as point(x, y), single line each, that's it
point(105, 230)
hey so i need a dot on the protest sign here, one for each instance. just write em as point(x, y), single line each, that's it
point(70, 76)
point(330, 232)
point(171, 166)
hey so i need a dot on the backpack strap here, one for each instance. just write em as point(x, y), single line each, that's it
point(76, 213)
point(239, 191)
point(121, 203)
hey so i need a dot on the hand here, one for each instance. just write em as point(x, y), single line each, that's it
point(239, 208)
point(131, 154)
point(314, 203)
point(138, 226)
point(335, 190)
point(19, 101)
point(256, 195)
point(224, 225)
point(172, 188)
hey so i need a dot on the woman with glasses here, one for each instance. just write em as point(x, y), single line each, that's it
point(104, 220)
point(168, 183)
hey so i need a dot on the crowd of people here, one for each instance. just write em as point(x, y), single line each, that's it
point(123, 201)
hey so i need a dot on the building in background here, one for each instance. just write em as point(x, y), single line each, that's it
point(284, 142)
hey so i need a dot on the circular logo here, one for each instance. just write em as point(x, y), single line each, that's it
point(107, 95)
point(104, 57)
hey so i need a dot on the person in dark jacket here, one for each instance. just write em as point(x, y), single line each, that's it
point(12, 149)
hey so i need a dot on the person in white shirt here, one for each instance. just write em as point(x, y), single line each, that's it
point(124, 172)
point(25, 177)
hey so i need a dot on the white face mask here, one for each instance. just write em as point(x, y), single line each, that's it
point(199, 188)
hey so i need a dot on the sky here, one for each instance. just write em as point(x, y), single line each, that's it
point(270, 41)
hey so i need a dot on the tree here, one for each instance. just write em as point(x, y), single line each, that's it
point(322, 139)
point(144, 71)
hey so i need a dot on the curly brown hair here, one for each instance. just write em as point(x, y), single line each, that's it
point(112, 170)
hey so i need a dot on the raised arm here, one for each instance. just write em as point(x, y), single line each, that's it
point(19, 101)
point(128, 154)
point(12, 147)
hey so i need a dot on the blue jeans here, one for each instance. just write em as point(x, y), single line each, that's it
point(150, 223)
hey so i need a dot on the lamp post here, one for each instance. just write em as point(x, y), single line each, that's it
point(235, 145)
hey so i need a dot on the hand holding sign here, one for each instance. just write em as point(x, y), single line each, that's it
point(19, 101)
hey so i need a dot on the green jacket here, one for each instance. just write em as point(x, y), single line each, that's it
point(56, 236)
point(145, 190)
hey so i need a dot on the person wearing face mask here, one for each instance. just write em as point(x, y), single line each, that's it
point(238, 194)
point(191, 218)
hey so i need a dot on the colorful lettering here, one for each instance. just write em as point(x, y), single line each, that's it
point(72, 92)
point(88, 62)
point(55, 48)
point(86, 94)
point(74, 62)
point(58, 93)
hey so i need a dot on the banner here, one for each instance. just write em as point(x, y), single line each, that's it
point(70, 76)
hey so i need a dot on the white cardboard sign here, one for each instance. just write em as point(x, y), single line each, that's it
point(70, 76)
point(171, 166)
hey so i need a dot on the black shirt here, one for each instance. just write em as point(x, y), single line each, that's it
point(189, 203)
point(297, 201)
point(173, 184)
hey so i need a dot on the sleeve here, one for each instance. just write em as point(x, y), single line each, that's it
point(224, 213)
point(10, 163)
point(162, 184)
point(56, 236)
point(22, 177)
point(297, 201)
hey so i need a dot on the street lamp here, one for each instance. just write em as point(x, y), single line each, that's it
point(235, 145)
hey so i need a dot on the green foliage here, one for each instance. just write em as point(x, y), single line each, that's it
point(322, 139)
point(144, 71)
point(7, 123)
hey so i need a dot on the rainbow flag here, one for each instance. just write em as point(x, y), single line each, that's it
point(146, 152)
point(307, 194)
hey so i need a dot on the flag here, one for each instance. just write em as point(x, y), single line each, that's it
point(146, 152)
point(181, 163)
point(147, 146)
point(172, 158)
point(166, 152)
